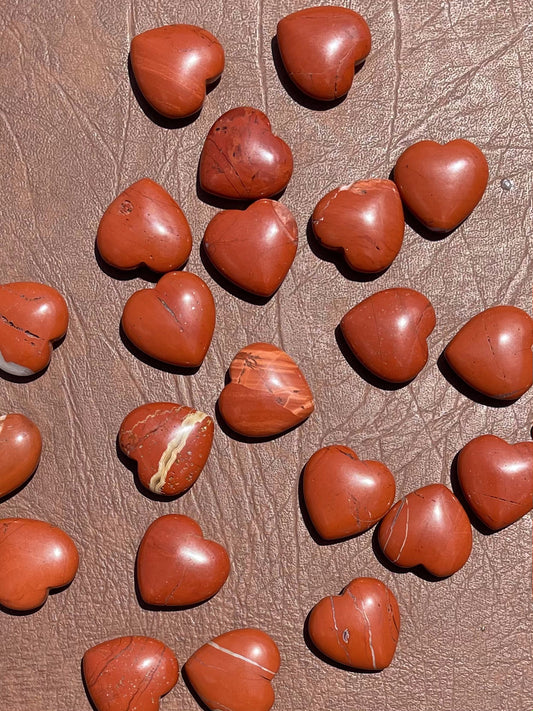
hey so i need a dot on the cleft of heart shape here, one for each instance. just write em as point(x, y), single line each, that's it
point(20, 451)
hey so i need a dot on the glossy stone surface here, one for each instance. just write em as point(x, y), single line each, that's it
point(144, 225)
point(441, 184)
point(174, 322)
point(387, 332)
point(242, 159)
point(253, 248)
point(172, 65)
point(320, 47)
point(267, 393)
point(20, 451)
point(129, 673)
point(234, 671)
point(365, 221)
point(32, 317)
point(428, 527)
point(35, 557)
point(497, 479)
point(492, 352)
point(358, 628)
point(344, 495)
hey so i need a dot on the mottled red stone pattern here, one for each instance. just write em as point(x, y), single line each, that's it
point(20, 451)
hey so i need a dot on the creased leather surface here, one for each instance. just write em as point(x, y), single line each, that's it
point(72, 136)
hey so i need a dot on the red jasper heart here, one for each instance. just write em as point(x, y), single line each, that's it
point(173, 64)
point(343, 495)
point(253, 248)
point(234, 671)
point(174, 322)
point(144, 225)
point(441, 184)
point(497, 479)
point(169, 442)
point(267, 393)
point(387, 332)
point(32, 317)
point(365, 221)
point(177, 566)
point(20, 451)
point(492, 352)
point(428, 527)
point(358, 628)
point(320, 46)
point(129, 673)
point(34, 558)
point(242, 159)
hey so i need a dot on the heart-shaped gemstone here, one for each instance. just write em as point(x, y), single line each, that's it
point(358, 628)
point(144, 225)
point(253, 248)
point(387, 332)
point(129, 673)
point(32, 317)
point(34, 558)
point(497, 479)
point(20, 451)
point(492, 352)
point(173, 64)
point(320, 47)
point(427, 527)
point(174, 322)
point(177, 566)
point(267, 393)
point(365, 221)
point(235, 670)
point(343, 495)
point(441, 184)
point(242, 159)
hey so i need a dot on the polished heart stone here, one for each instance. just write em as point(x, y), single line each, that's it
point(428, 527)
point(174, 322)
point(358, 628)
point(441, 184)
point(492, 352)
point(344, 495)
point(365, 221)
point(173, 64)
point(267, 393)
point(253, 248)
point(320, 47)
point(20, 451)
point(32, 317)
point(387, 332)
point(129, 673)
point(144, 225)
point(242, 159)
point(34, 558)
point(234, 671)
point(169, 442)
point(497, 479)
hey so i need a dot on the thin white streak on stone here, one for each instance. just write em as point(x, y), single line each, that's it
point(14, 368)
point(239, 656)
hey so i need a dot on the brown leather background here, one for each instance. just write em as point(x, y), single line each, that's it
point(72, 136)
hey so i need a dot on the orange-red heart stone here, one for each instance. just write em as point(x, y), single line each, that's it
point(253, 248)
point(144, 225)
point(497, 479)
point(32, 317)
point(235, 670)
point(34, 558)
point(267, 393)
point(172, 65)
point(174, 322)
point(169, 442)
point(343, 495)
point(129, 673)
point(492, 352)
point(20, 451)
point(242, 159)
point(358, 628)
